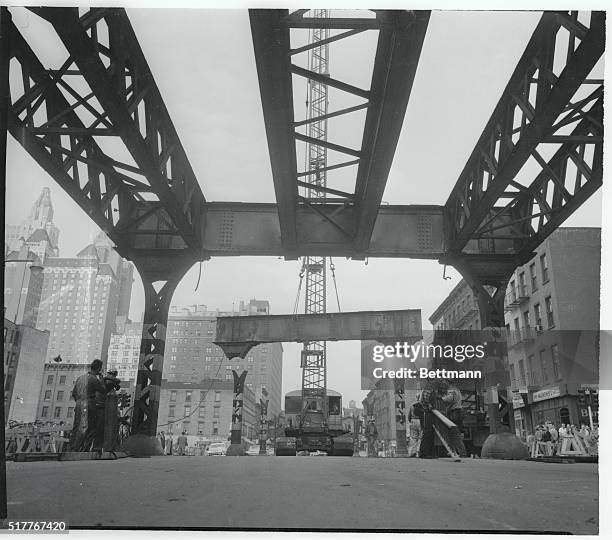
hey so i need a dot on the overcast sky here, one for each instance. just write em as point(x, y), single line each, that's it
point(204, 67)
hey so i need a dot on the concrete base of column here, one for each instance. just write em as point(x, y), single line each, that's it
point(142, 445)
point(504, 446)
point(235, 450)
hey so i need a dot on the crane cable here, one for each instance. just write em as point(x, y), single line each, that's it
point(332, 267)
point(297, 298)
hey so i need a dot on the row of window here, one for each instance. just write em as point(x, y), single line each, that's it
point(187, 411)
point(184, 426)
point(51, 378)
point(537, 311)
point(533, 277)
point(538, 373)
point(189, 393)
point(57, 412)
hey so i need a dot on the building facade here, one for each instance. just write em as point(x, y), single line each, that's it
point(23, 281)
point(552, 322)
point(204, 410)
point(37, 232)
point(80, 303)
point(25, 349)
point(124, 351)
point(191, 355)
point(55, 403)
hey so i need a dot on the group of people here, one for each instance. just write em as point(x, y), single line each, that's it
point(441, 395)
point(550, 438)
point(96, 411)
point(168, 445)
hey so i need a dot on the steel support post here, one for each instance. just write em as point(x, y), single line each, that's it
point(401, 450)
point(490, 291)
point(235, 448)
point(5, 24)
point(160, 275)
point(263, 432)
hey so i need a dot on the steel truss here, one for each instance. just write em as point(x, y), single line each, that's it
point(58, 123)
point(400, 38)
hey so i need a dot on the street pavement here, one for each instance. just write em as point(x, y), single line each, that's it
point(308, 493)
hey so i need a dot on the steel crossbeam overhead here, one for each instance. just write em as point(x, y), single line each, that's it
point(549, 103)
point(126, 105)
point(400, 39)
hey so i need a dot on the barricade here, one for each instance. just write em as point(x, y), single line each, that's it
point(572, 445)
point(33, 439)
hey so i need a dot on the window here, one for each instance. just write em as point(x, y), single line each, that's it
point(188, 395)
point(171, 411)
point(217, 395)
point(70, 412)
point(522, 373)
point(549, 312)
point(49, 379)
point(57, 413)
point(47, 395)
point(538, 315)
point(201, 412)
point(45, 412)
point(7, 381)
point(250, 359)
point(534, 277)
point(215, 428)
point(544, 364)
point(173, 395)
point(62, 379)
point(200, 428)
point(526, 319)
point(186, 426)
point(522, 289)
point(544, 266)
point(512, 291)
point(60, 395)
point(554, 351)
point(202, 395)
point(533, 379)
point(228, 376)
point(517, 326)
point(216, 412)
point(187, 411)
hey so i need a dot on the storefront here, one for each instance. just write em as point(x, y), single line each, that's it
point(554, 404)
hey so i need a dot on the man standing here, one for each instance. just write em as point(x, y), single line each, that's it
point(181, 443)
point(430, 399)
point(162, 440)
point(454, 412)
point(88, 427)
point(371, 436)
point(415, 417)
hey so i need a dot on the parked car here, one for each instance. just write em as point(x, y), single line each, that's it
point(216, 449)
point(253, 450)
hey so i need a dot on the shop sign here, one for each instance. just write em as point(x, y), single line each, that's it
point(517, 400)
point(547, 393)
point(518, 415)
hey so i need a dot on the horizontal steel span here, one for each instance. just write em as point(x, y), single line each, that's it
point(237, 335)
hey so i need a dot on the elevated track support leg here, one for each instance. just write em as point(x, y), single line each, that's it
point(401, 449)
point(160, 275)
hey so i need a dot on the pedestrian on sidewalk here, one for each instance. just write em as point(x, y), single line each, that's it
point(430, 399)
point(181, 443)
point(415, 415)
point(162, 440)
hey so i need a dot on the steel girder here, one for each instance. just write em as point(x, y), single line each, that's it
point(400, 40)
point(125, 105)
point(540, 106)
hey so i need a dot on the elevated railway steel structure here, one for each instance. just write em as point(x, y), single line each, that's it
point(153, 207)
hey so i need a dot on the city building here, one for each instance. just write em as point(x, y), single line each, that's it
point(37, 232)
point(124, 351)
point(204, 410)
point(552, 321)
point(191, 355)
point(380, 404)
point(25, 349)
point(458, 311)
point(54, 399)
point(23, 281)
point(80, 302)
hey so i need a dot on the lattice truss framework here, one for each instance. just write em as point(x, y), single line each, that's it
point(99, 126)
point(540, 155)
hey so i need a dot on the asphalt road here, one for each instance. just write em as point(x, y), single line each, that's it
point(308, 493)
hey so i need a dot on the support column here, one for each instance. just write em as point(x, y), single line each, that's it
point(5, 24)
point(401, 449)
point(263, 432)
point(235, 448)
point(490, 289)
point(160, 275)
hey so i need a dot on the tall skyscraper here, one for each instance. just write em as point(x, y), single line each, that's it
point(23, 279)
point(37, 232)
point(80, 302)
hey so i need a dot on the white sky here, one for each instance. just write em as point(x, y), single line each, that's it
point(204, 67)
